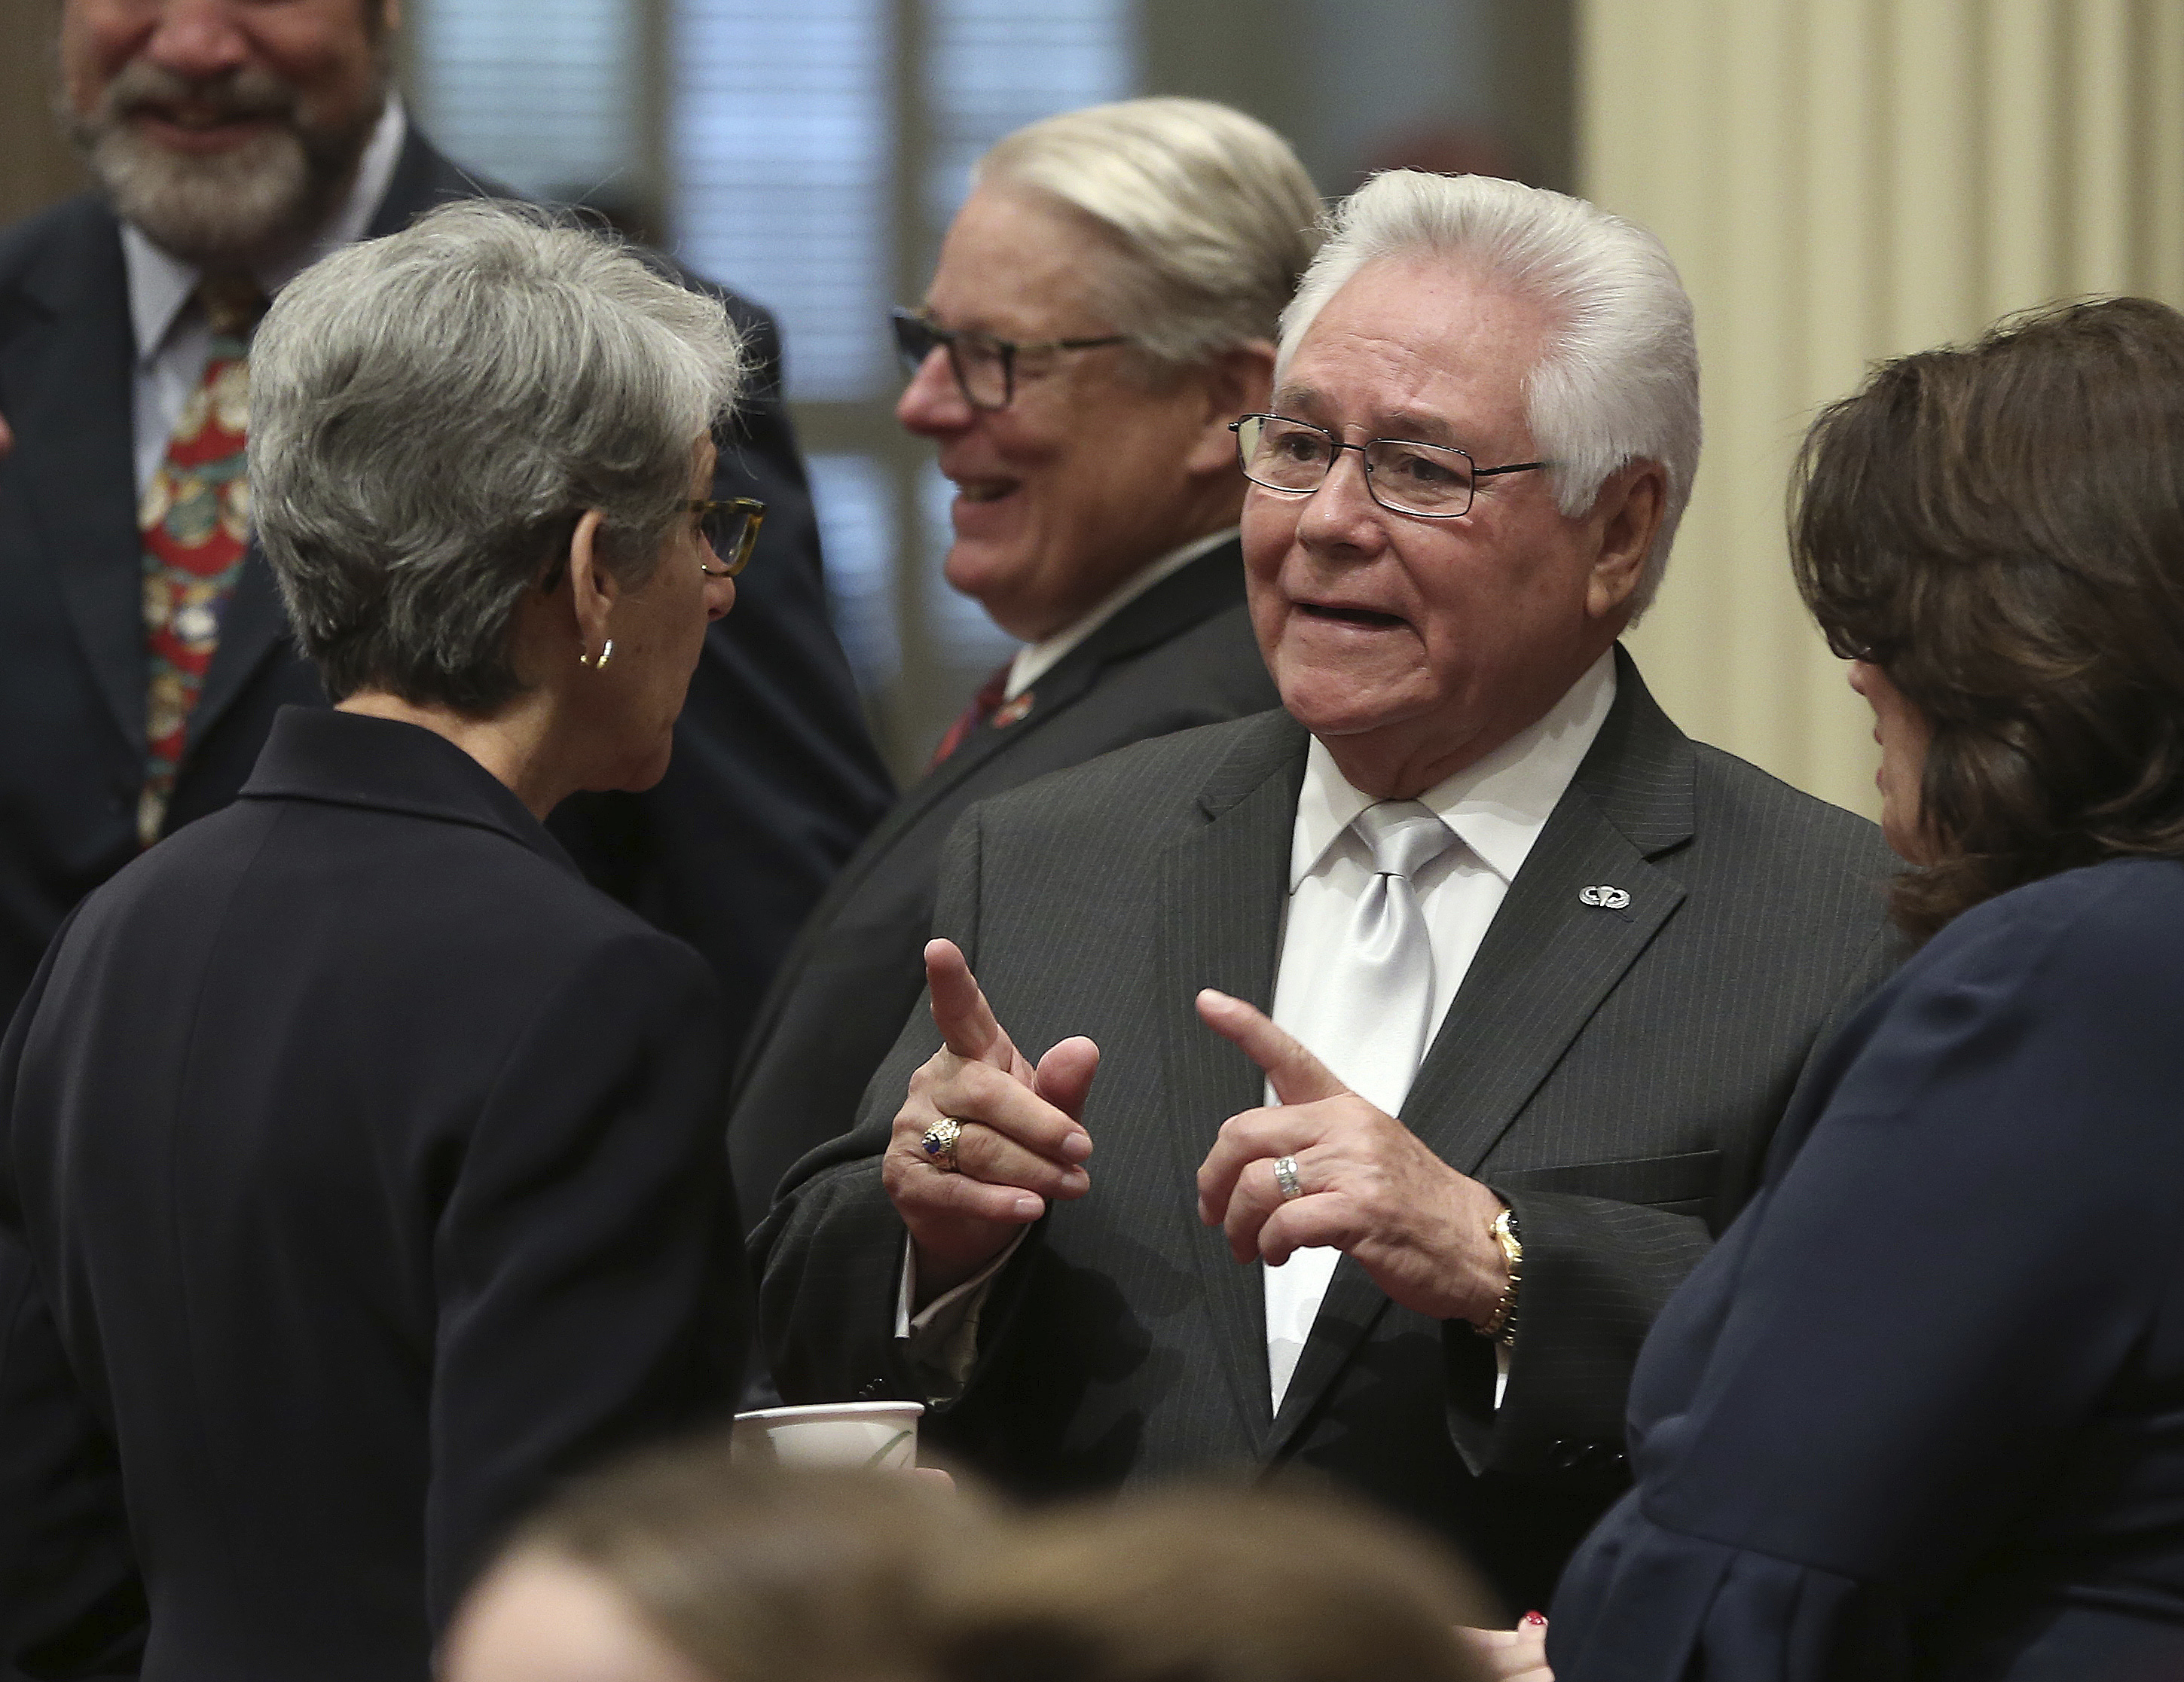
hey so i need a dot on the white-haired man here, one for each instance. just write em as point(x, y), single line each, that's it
point(145, 652)
point(1105, 305)
point(1541, 971)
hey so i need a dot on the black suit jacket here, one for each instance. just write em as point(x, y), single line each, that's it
point(1181, 654)
point(774, 778)
point(1614, 1074)
point(1920, 1414)
point(363, 1165)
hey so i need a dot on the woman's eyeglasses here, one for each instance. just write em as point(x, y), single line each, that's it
point(729, 526)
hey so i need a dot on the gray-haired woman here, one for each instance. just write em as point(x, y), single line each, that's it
point(359, 1166)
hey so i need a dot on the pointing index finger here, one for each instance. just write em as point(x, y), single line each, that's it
point(960, 1010)
point(1296, 1075)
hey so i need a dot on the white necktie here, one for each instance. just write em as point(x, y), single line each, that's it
point(1374, 1029)
point(1383, 1003)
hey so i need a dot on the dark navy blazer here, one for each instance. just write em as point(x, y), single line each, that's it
point(1921, 1412)
point(360, 1173)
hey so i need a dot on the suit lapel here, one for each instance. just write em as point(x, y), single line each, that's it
point(1198, 591)
point(1221, 889)
point(1053, 693)
point(75, 459)
point(1546, 964)
point(1547, 961)
point(1195, 592)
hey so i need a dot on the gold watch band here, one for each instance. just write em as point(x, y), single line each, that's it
point(1502, 1324)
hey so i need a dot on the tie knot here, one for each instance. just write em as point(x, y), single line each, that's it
point(232, 304)
point(1405, 836)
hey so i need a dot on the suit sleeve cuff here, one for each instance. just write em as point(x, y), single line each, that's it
point(941, 1339)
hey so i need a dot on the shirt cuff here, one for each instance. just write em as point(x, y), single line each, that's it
point(942, 1338)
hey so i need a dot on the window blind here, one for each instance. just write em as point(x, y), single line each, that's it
point(780, 137)
point(542, 97)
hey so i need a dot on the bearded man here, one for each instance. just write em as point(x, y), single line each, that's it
point(144, 651)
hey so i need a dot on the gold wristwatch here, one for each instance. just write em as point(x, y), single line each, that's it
point(1502, 1324)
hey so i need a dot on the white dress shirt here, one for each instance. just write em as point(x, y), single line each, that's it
point(1497, 808)
point(172, 339)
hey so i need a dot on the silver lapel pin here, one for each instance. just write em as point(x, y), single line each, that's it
point(1612, 898)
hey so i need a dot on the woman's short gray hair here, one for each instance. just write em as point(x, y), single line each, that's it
point(1619, 379)
point(1212, 217)
point(430, 413)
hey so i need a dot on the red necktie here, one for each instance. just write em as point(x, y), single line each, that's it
point(195, 520)
point(983, 707)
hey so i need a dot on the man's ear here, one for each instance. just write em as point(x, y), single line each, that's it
point(1628, 516)
point(593, 590)
point(1237, 381)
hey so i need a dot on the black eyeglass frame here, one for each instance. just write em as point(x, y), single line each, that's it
point(916, 337)
point(1471, 491)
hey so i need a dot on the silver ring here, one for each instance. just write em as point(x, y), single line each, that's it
point(1285, 1177)
point(940, 1143)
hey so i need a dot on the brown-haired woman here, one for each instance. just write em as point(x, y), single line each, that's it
point(1921, 1412)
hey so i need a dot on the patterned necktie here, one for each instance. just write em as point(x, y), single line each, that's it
point(984, 705)
point(195, 519)
point(1374, 1029)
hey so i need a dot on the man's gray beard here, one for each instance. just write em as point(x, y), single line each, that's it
point(229, 209)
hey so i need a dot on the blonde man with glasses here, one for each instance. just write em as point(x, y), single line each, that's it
point(1105, 306)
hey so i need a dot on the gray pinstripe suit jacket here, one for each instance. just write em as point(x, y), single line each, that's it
point(1615, 1075)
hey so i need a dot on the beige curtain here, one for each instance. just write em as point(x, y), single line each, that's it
point(1842, 180)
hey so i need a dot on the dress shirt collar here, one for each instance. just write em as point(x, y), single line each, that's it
point(1497, 806)
point(160, 284)
point(1035, 659)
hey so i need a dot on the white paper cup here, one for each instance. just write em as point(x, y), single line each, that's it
point(869, 1433)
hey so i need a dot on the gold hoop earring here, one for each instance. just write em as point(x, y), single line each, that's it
point(598, 662)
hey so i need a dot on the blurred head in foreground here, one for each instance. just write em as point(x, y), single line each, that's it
point(1203, 1585)
point(1993, 536)
point(684, 1568)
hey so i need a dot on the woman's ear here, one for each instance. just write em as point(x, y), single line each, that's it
point(593, 590)
point(1238, 381)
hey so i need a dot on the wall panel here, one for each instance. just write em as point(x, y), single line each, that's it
point(1839, 181)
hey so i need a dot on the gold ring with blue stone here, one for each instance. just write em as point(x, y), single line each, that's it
point(940, 1143)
